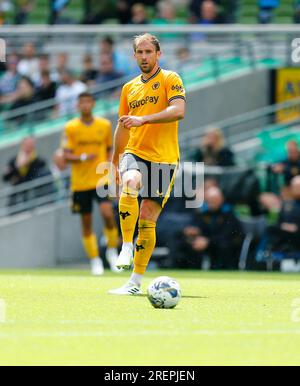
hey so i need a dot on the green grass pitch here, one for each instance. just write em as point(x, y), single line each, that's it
point(61, 317)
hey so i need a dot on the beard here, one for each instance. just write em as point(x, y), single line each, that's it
point(147, 69)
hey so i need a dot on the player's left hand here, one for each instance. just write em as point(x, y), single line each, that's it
point(130, 121)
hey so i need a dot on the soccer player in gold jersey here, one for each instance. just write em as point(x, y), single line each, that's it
point(87, 143)
point(147, 140)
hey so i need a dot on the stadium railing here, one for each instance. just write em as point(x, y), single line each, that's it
point(216, 52)
point(31, 195)
point(39, 118)
point(261, 141)
point(262, 129)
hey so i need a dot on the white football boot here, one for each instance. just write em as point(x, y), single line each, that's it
point(97, 267)
point(129, 288)
point(125, 258)
point(112, 257)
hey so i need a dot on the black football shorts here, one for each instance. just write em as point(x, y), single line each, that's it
point(158, 179)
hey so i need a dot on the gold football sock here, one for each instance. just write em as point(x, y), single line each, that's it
point(112, 236)
point(145, 246)
point(91, 246)
point(129, 213)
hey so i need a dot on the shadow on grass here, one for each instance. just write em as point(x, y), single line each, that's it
point(183, 297)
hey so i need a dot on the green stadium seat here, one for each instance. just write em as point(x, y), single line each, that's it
point(247, 20)
point(248, 2)
point(283, 20)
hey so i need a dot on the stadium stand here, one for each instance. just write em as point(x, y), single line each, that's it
point(211, 62)
point(110, 11)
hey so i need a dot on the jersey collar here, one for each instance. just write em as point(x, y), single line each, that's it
point(152, 77)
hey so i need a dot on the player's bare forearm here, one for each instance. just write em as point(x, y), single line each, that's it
point(109, 154)
point(121, 140)
point(72, 158)
point(175, 112)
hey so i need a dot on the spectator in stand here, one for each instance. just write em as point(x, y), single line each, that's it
point(89, 74)
point(96, 12)
point(56, 9)
point(23, 97)
point(183, 61)
point(44, 65)
point(215, 232)
point(290, 167)
point(107, 74)
point(213, 151)
point(29, 64)
point(23, 8)
point(5, 6)
point(194, 8)
point(297, 12)
point(209, 13)
point(139, 14)
point(167, 16)
point(183, 55)
point(267, 8)
point(123, 11)
point(120, 61)
point(25, 167)
point(67, 94)
point(45, 92)
point(285, 236)
point(62, 65)
point(10, 79)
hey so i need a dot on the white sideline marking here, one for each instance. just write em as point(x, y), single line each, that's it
point(64, 334)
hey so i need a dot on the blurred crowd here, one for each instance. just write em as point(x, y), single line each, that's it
point(29, 77)
point(140, 12)
point(214, 235)
point(137, 12)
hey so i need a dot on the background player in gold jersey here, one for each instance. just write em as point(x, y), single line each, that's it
point(147, 134)
point(87, 143)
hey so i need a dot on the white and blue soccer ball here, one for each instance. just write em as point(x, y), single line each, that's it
point(164, 292)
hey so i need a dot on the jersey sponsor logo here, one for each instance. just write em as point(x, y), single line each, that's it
point(178, 88)
point(156, 86)
point(89, 143)
point(143, 102)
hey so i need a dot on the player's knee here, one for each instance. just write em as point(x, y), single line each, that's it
point(109, 219)
point(150, 211)
point(87, 228)
point(87, 231)
point(132, 180)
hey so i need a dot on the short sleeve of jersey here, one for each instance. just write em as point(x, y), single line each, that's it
point(123, 110)
point(68, 138)
point(175, 88)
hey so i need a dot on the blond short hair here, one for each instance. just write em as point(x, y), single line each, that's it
point(146, 37)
